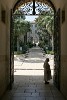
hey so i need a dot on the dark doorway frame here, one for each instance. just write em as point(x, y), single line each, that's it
point(57, 49)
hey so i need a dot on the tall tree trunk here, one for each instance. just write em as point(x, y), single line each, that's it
point(52, 43)
point(18, 47)
point(25, 38)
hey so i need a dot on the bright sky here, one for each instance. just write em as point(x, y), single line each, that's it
point(30, 17)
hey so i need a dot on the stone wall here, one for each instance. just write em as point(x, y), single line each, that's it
point(4, 46)
point(64, 52)
point(62, 4)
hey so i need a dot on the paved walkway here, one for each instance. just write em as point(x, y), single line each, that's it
point(28, 83)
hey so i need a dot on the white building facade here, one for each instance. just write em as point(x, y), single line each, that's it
point(33, 34)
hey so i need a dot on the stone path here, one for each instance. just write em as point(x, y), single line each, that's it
point(28, 83)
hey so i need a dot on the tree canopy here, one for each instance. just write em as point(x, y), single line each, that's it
point(21, 26)
point(45, 26)
point(46, 21)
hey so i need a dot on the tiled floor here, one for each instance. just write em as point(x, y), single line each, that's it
point(32, 88)
point(28, 83)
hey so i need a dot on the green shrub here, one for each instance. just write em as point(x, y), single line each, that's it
point(17, 52)
point(50, 52)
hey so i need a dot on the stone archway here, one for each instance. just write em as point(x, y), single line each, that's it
point(21, 2)
point(56, 37)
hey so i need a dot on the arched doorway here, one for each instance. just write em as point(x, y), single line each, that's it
point(56, 40)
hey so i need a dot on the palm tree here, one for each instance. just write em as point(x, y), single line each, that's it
point(45, 23)
point(21, 27)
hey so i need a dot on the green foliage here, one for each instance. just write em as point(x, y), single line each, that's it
point(46, 21)
point(18, 14)
point(17, 52)
point(30, 45)
point(45, 26)
point(21, 26)
point(50, 52)
point(41, 44)
point(24, 49)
